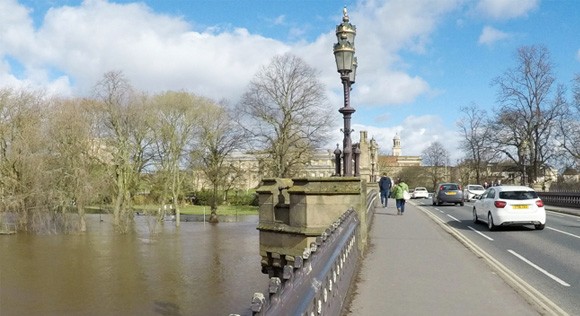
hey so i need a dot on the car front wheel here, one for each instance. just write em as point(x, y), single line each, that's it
point(475, 219)
point(490, 223)
point(540, 226)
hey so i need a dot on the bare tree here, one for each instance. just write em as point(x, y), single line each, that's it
point(75, 172)
point(477, 134)
point(285, 113)
point(175, 125)
point(529, 107)
point(22, 156)
point(219, 137)
point(569, 128)
point(123, 131)
point(436, 158)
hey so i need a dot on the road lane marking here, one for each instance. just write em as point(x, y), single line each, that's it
point(482, 234)
point(455, 219)
point(563, 232)
point(531, 294)
point(553, 277)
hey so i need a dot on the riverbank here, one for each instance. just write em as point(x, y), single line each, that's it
point(229, 210)
point(7, 229)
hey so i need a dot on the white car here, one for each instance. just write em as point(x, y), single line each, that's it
point(510, 205)
point(420, 192)
point(472, 191)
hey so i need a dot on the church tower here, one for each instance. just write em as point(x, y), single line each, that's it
point(396, 145)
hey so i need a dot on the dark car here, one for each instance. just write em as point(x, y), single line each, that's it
point(448, 193)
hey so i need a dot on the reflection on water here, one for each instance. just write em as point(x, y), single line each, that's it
point(196, 269)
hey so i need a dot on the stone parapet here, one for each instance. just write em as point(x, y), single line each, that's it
point(293, 212)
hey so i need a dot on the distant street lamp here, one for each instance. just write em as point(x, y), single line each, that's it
point(346, 65)
point(373, 148)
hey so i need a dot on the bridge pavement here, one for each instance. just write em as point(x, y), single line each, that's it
point(565, 210)
point(414, 267)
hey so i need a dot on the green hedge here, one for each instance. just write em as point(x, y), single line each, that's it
point(233, 198)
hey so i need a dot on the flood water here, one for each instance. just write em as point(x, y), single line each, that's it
point(196, 269)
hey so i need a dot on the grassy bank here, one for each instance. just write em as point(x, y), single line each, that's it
point(189, 209)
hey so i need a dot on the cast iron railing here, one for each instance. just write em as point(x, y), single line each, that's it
point(318, 283)
point(564, 199)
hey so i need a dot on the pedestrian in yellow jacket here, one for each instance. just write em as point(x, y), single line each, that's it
point(398, 192)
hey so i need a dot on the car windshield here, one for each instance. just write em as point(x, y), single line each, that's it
point(518, 195)
point(476, 187)
point(446, 187)
point(420, 189)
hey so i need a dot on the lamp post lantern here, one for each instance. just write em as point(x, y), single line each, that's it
point(346, 64)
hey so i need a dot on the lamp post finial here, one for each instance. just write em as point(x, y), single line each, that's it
point(345, 14)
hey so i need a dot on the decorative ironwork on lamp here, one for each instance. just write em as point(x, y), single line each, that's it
point(346, 64)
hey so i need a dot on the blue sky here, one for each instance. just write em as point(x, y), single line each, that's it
point(419, 61)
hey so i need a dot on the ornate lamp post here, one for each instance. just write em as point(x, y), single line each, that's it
point(373, 149)
point(346, 65)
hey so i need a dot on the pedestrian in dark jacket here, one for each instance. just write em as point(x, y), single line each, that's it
point(385, 185)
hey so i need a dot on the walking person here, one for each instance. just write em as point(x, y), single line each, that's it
point(385, 184)
point(399, 195)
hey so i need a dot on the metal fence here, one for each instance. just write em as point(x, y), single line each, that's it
point(563, 199)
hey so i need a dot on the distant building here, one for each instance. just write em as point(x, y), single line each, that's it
point(394, 163)
point(249, 169)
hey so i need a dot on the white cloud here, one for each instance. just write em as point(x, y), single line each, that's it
point(384, 30)
point(156, 52)
point(490, 35)
point(280, 20)
point(74, 45)
point(416, 133)
point(506, 9)
point(390, 88)
point(159, 52)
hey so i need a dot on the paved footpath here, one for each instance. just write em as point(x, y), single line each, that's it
point(414, 267)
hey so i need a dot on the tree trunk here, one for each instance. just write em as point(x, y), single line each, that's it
point(82, 221)
point(213, 218)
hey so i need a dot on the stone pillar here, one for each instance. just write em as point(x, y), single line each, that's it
point(294, 212)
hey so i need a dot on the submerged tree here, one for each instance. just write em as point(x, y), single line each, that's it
point(22, 155)
point(219, 137)
point(122, 131)
point(175, 125)
point(77, 176)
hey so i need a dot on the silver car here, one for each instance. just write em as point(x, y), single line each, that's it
point(448, 193)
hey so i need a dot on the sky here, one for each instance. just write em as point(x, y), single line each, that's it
point(419, 61)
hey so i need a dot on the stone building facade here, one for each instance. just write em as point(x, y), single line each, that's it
point(395, 162)
point(322, 164)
